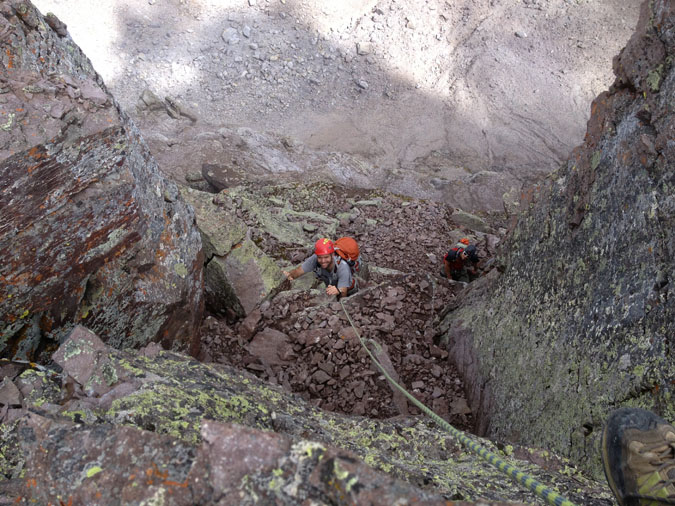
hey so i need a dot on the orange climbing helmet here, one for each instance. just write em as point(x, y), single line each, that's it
point(464, 240)
point(324, 247)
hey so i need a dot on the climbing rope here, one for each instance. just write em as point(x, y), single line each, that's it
point(520, 477)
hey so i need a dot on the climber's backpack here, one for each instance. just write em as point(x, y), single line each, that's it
point(348, 250)
point(453, 254)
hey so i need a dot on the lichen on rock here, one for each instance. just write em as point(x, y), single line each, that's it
point(581, 321)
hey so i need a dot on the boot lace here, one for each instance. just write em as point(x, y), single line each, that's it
point(662, 459)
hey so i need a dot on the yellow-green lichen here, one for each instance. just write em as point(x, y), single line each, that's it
point(8, 124)
point(93, 471)
point(181, 270)
point(275, 484)
point(654, 78)
point(344, 476)
point(157, 499)
point(75, 415)
point(307, 448)
point(113, 239)
point(178, 410)
point(340, 473)
point(247, 485)
point(109, 374)
point(127, 366)
point(73, 348)
point(595, 159)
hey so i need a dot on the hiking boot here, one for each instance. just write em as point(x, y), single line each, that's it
point(638, 454)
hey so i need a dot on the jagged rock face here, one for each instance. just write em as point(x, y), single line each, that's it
point(239, 275)
point(582, 319)
point(89, 230)
point(157, 427)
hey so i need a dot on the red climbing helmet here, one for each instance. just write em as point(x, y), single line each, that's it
point(324, 247)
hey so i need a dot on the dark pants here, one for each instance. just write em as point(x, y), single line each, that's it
point(461, 275)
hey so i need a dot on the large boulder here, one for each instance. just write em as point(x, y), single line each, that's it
point(246, 230)
point(582, 320)
point(89, 230)
point(239, 275)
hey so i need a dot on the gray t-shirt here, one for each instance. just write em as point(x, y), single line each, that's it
point(340, 277)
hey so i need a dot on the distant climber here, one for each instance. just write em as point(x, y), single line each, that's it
point(460, 262)
point(328, 267)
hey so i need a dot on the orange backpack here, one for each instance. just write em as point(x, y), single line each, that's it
point(347, 248)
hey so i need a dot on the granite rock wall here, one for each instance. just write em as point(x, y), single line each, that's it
point(582, 319)
point(90, 232)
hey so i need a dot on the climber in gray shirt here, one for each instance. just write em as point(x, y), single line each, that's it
point(325, 264)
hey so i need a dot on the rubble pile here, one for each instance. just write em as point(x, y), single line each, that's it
point(302, 339)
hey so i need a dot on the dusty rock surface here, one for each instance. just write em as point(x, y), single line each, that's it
point(434, 95)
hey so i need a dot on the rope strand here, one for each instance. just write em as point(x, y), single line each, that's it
point(520, 477)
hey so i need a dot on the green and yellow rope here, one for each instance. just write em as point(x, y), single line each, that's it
point(541, 490)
